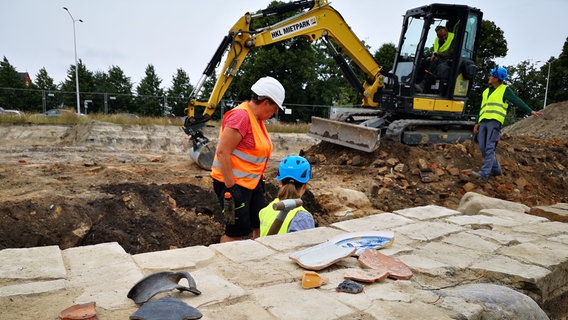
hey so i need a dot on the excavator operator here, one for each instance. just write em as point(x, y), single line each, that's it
point(438, 64)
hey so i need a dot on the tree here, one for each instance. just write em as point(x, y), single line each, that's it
point(179, 93)
point(86, 85)
point(385, 57)
point(114, 90)
point(50, 92)
point(150, 99)
point(10, 82)
point(558, 83)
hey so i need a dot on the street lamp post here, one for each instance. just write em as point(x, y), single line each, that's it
point(546, 90)
point(76, 64)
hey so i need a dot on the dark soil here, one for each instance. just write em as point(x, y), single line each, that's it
point(151, 201)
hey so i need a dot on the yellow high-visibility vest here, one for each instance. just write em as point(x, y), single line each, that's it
point(492, 106)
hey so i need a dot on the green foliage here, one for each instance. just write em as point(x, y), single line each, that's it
point(385, 57)
point(9, 78)
point(178, 94)
point(150, 100)
point(558, 84)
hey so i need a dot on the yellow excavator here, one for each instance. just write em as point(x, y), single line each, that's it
point(391, 103)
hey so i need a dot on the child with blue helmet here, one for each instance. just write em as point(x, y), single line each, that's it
point(293, 174)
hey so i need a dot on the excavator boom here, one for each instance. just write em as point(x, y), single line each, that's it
point(391, 103)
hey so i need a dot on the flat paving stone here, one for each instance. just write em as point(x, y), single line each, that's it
point(176, 259)
point(32, 288)
point(427, 212)
point(241, 251)
point(378, 222)
point(428, 231)
point(32, 263)
point(292, 303)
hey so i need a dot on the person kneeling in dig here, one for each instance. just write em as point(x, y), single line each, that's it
point(293, 174)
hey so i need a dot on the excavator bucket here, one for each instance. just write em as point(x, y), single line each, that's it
point(346, 134)
point(203, 152)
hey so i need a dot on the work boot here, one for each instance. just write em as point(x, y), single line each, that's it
point(478, 176)
point(496, 173)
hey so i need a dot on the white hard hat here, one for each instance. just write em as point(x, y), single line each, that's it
point(271, 88)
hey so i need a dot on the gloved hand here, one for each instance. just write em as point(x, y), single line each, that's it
point(235, 192)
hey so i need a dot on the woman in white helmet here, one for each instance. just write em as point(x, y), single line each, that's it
point(242, 156)
point(294, 172)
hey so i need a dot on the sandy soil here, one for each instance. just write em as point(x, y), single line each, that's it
point(96, 182)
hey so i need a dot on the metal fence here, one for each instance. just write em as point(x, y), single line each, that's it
point(40, 101)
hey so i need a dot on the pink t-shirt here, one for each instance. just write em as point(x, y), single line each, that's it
point(239, 120)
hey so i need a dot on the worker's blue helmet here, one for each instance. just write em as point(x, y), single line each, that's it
point(499, 73)
point(294, 167)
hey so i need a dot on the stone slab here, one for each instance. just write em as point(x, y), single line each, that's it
point(293, 241)
point(504, 237)
point(557, 212)
point(241, 251)
point(105, 272)
point(545, 228)
point(428, 231)
point(471, 241)
point(290, 301)
point(32, 263)
point(454, 256)
point(214, 289)
point(520, 217)
point(389, 310)
point(482, 220)
point(547, 254)
point(378, 222)
point(176, 259)
point(237, 311)
point(32, 288)
point(507, 268)
point(427, 212)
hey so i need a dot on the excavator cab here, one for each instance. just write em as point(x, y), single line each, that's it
point(450, 81)
point(403, 113)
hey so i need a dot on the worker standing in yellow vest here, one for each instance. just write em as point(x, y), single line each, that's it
point(294, 172)
point(242, 156)
point(492, 114)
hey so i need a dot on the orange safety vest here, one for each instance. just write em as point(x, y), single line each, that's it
point(248, 165)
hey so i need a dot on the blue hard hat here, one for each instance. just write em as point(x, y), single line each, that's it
point(499, 73)
point(294, 167)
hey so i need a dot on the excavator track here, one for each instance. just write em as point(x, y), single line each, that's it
point(424, 132)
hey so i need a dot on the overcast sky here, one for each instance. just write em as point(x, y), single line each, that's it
point(173, 34)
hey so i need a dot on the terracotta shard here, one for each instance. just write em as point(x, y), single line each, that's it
point(311, 279)
point(373, 259)
point(85, 311)
point(366, 275)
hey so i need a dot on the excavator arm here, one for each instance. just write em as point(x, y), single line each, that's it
point(319, 22)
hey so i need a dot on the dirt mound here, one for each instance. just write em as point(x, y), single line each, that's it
point(72, 186)
point(552, 124)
